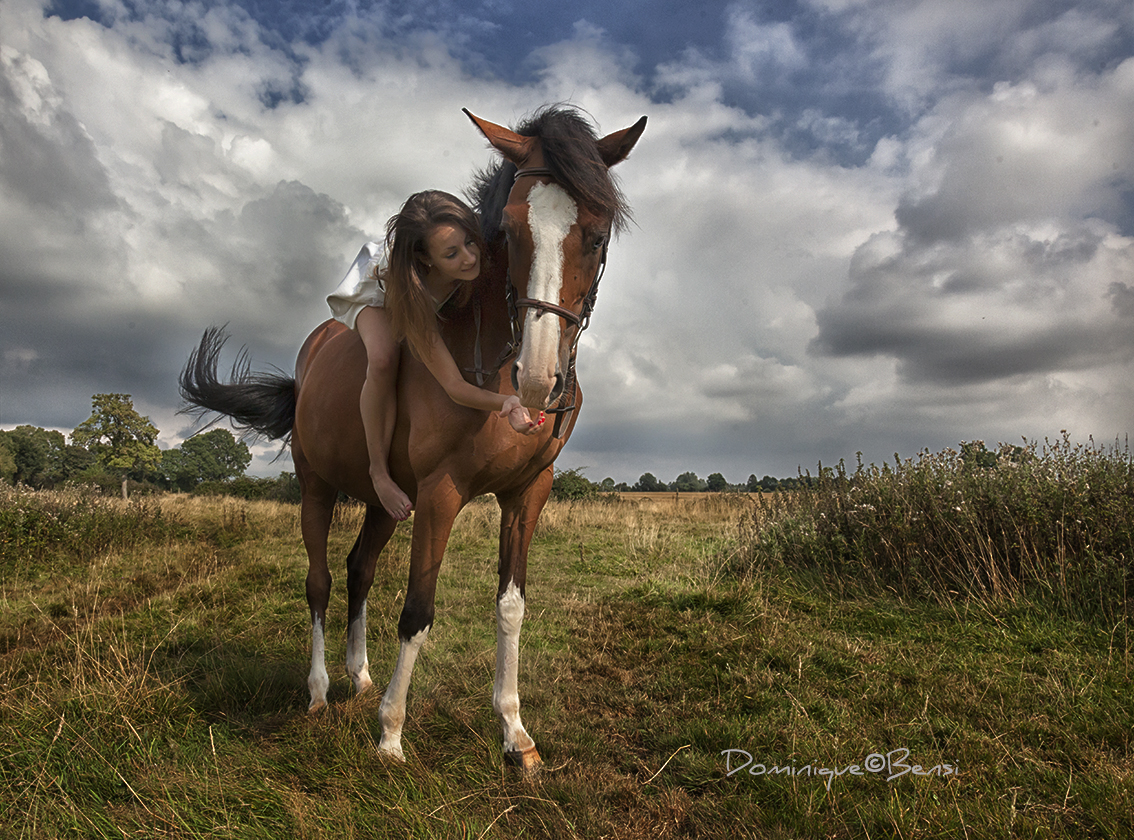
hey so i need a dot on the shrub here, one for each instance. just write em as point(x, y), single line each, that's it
point(283, 488)
point(1057, 521)
point(97, 479)
point(571, 485)
point(38, 525)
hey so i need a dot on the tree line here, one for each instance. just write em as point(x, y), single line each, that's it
point(688, 482)
point(116, 447)
point(572, 484)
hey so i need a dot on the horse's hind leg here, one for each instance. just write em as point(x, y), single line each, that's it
point(315, 521)
point(517, 526)
point(377, 529)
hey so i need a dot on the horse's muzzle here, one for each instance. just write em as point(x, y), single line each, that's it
point(535, 393)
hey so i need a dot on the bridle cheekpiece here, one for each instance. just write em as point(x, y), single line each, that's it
point(581, 321)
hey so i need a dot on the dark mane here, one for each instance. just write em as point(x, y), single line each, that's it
point(488, 194)
point(570, 152)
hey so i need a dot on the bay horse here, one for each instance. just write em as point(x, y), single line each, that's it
point(547, 210)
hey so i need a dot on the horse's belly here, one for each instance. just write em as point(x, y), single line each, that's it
point(435, 440)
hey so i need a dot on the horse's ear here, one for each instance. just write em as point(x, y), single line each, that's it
point(616, 147)
point(513, 146)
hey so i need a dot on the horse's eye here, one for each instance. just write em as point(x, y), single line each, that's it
point(599, 242)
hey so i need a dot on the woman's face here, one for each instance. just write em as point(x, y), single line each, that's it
point(452, 253)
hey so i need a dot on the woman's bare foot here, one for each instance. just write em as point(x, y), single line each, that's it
point(396, 503)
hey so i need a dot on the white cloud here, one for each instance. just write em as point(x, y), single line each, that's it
point(1003, 261)
point(773, 306)
point(760, 51)
point(1026, 153)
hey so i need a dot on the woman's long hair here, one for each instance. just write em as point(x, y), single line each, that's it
point(411, 309)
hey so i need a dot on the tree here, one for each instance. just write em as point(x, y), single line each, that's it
point(7, 461)
point(121, 439)
point(648, 484)
point(688, 482)
point(29, 449)
point(975, 455)
point(173, 471)
point(767, 484)
point(285, 488)
point(716, 483)
point(70, 461)
point(213, 456)
point(39, 457)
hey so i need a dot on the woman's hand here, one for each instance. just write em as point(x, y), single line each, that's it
point(519, 418)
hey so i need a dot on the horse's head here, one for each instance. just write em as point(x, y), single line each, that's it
point(559, 216)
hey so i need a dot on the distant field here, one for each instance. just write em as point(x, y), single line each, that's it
point(153, 659)
point(676, 496)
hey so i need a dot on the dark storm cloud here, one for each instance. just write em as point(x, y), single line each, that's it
point(1122, 299)
point(84, 312)
point(1004, 259)
point(860, 226)
point(970, 313)
point(64, 363)
point(290, 232)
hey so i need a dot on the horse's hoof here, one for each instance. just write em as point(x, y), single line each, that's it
point(526, 761)
point(393, 752)
point(316, 706)
point(362, 686)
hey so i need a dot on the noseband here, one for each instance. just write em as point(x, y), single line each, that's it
point(566, 404)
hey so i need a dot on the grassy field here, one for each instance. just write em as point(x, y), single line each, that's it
point(153, 660)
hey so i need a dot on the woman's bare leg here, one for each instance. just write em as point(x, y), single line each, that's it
point(379, 407)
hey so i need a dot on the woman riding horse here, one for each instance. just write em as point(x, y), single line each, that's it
point(548, 211)
point(434, 247)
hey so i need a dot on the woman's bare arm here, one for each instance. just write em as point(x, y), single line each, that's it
point(440, 363)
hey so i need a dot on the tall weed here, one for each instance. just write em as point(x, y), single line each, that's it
point(40, 527)
point(1055, 522)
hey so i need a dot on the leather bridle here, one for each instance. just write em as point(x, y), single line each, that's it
point(580, 321)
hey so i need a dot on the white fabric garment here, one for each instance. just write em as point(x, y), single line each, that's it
point(360, 287)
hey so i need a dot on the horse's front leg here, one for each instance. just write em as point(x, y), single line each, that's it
point(377, 528)
point(435, 509)
point(519, 514)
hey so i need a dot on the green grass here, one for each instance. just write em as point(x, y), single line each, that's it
point(158, 689)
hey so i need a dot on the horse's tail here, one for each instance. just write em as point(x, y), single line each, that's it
point(263, 403)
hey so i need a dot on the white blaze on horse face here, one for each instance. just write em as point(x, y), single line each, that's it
point(551, 213)
point(392, 712)
point(505, 692)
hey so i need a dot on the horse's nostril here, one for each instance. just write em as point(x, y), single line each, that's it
point(516, 368)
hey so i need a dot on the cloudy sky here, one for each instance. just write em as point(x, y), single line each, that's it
point(871, 226)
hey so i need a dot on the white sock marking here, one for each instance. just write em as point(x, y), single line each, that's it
point(392, 712)
point(505, 691)
point(317, 680)
point(357, 663)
